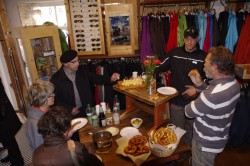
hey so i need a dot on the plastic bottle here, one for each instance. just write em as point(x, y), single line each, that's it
point(102, 117)
point(109, 116)
point(89, 113)
point(95, 121)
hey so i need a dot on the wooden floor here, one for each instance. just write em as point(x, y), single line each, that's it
point(234, 156)
point(229, 157)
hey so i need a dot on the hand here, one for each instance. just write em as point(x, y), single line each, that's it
point(196, 79)
point(115, 77)
point(74, 111)
point(190, 92)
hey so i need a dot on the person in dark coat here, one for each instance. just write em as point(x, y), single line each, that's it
point(9, 126)
point(73, 84)
point(54, 126)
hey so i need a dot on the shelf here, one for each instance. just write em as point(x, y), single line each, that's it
point(159, 2)
point(108, 56)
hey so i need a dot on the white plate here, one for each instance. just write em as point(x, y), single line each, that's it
point(166, 90)
point(129, 131)
point(83, 121)
point(114, 130)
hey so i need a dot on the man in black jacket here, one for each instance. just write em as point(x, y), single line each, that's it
point(180, 61)
point(9, 126)
point(72, 84)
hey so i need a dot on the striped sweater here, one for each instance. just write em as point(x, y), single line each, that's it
point(213, 112)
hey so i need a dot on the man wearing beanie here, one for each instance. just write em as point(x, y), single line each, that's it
point(72, 84)
point(180, 61)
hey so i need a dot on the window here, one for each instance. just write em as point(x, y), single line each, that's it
point(38, 13)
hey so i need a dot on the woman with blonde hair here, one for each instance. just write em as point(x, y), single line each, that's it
point(41, 97)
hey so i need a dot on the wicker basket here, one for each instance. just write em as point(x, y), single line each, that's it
point(161, 151)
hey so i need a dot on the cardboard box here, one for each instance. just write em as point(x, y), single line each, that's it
point(242, 71)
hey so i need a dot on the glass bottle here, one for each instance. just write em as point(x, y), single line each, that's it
point(117, 102)
point(89, 113)
point(116, 114)
point(109, 116)
point(102, 117)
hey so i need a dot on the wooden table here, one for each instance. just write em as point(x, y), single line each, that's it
point(138, 99)
point(111, 158)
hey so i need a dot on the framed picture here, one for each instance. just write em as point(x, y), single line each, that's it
point(120, 29)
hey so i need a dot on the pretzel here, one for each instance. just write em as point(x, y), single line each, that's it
point(130, 149)
point(137, 146)
point(138, 140)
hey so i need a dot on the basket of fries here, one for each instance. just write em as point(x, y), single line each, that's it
point(164, 140)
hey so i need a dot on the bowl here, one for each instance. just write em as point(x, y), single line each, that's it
point(102, 140)
point(136, 122)
point(114, 130)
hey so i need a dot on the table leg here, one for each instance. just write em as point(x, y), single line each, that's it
point(160, 116)
point(129, 108)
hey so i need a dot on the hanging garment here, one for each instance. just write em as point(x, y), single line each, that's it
point(201, 25)
point(156, 35)
point(182, 26)
point(165, 26)
point(242, 52)
point(211, 29)
point(190, 19)
point(223, 27)
point(145, 39)
point(172, 40)
point(206, 44)
point(241, 16)
point(232, 34)
point(216, 33)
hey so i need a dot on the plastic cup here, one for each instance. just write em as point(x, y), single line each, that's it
point(135, 74)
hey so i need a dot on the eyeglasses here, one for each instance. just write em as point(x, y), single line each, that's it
point(78, 21)
point(52, 95)
point(80, 40)
point(93, 15)
point(81, 49)
point(93, 20)
point(77, 16)
point(94, 25)
point(95, 39)
point(79, 35)
point(96, 49)
point(98, 44)
point(80, 45)
point(77, 31)
point(93, 5)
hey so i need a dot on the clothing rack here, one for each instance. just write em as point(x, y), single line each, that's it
point(175, 4)
point(109, 61)
point(162, 8)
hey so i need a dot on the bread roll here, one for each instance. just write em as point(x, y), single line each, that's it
point(194, 73)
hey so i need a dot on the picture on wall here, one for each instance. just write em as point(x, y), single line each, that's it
point(119, 30)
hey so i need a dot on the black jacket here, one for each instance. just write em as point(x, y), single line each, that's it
point(64, 88)
point(180, 62)
point(9, 122)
